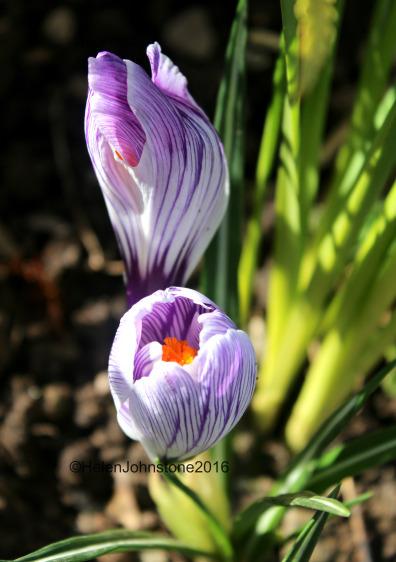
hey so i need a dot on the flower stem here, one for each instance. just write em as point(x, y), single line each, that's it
point(222, 540)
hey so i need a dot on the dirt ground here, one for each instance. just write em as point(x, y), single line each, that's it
point(61, 290)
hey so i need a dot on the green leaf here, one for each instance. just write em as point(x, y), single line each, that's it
point(317, 29)
point(333, 426)
point(87, 547)
point(266, 158)
point(313, 117)
point(219, 278)
point(389, 384)
point(309, 536)
point(219, 534)
point(353, 295)
point(301, 470)
point(358, 500)
point(319, 503)
point(289, 22)
point(349, 459)
point(377, 63)
point(306, 499)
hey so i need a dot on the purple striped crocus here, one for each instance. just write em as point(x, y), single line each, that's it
point(181, 373)
point(161, 167)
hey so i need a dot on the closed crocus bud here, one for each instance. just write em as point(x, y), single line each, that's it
point(181, 373)
point(161, 167)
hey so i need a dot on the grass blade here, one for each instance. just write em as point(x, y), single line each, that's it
point(269, 142)
point(309, 536)
point(317, 29)
point(87, 547)
point(301, 470)
point(307, 500)
point(219, 278)
point(349, 459)
point(378, 59)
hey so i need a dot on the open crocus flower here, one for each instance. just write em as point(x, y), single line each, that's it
point(180, 372)
point(160, 165)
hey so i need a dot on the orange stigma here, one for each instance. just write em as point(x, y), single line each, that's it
point(178, 350)
point(118, 154)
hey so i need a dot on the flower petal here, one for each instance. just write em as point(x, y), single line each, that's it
point(177, 319)
point(183, 158)
point(161, 167)
point(145, 359)
point(178, 414)
point(109, 107)
point(226, 371)
point(115, 141)
point(213, 323)
point(167, 76)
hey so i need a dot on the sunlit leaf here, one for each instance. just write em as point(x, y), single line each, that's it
point(87, 547)
point(316, 29)
point(309, 536)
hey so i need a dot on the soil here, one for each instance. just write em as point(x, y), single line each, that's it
point(61, 289)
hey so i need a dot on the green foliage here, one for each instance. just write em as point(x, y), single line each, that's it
point(354, 457)
point(219, 277)
point(304, 499)
point(214, 527)
point(309, 536)
point(301, 471)
point(330, 283)
point(87, 547)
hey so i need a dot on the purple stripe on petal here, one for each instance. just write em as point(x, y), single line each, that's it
point(145, 359)
point(107, 79)
point(178, 411)
point(167, 76)
point(161, 167)
point(185, 161)
point(214, 323)
point(178, 319)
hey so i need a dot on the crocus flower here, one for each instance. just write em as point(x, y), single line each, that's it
point(160, 165)
point(181, 373)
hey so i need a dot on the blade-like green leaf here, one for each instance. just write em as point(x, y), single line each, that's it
point(87, 547)
point(301, 470)
point(320, 503)
point(363, 174)
point(306, 499)
point(377, 63)
point(289, 22)
point(219, 277)
point(287, 241)
point(218, 532)
point(358, 500)
point(316, 104)
point(309, 536)
point(317, 28)
point(269, 142)
point(353, 295)
point(353, 458)
point(331, 428)
point(389, 384)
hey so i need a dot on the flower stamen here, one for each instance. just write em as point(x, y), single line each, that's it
point(178, 350)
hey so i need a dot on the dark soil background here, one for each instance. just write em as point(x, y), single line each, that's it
point(61, 291)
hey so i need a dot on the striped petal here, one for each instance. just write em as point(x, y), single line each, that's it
point(160, 165)
point(176, 410)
